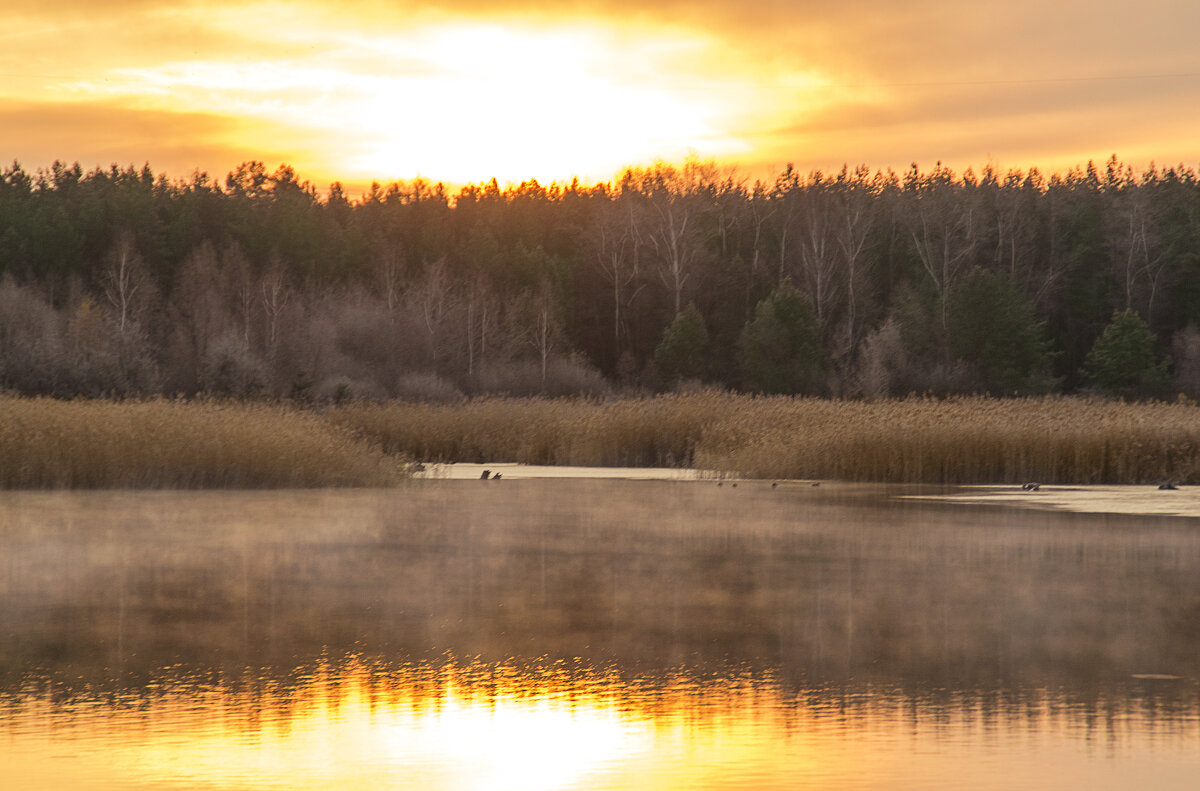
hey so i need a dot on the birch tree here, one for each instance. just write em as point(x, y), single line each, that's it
point(941, 222)
point(124, 279)
point(618, 256)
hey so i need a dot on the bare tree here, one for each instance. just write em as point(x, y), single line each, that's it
point(1013, 227)
point(198, 312)
point(786, 198)
point(124, 278)
point(818, 263)
point(480, 316)
point(274, 295)
point(761, 212)
point(239, 286)
point(1136, 252)
point(941, 221)
point(617, 252)
point(390, 271)
point(430, 299)
point(857, 196)
point(673, 200)
point(544, 328)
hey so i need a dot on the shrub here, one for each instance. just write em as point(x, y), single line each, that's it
point(231, 369)
point(426, 386)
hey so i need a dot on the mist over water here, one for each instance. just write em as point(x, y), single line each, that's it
point(593, 634)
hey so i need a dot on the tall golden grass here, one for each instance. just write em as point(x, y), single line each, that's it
point(142, 444)
point(158, 443)
point(635, 432)
point(963, 440)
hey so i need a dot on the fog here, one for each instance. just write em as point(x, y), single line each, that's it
point(820, 585)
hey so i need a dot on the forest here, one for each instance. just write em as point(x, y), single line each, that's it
point(124, 282)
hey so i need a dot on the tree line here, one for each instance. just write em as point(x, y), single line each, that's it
point(857, 283)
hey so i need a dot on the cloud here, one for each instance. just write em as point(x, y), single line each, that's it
point(99, 135)
point(362, 84)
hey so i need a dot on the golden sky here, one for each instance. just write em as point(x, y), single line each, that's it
point(369, 89)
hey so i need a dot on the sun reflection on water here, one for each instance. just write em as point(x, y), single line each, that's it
point(468, 726)
point(350, 726)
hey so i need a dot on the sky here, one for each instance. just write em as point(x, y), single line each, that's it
point(362, 90)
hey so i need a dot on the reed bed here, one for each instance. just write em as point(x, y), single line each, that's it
point(159, 443)
point(168, 444)
point(966, 440)
point(635, 432)
point(918, 440)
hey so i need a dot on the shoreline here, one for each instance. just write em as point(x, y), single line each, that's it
point(1127, 500)
point(511, 470)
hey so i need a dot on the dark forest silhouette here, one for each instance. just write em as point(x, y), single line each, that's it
point(857, 283)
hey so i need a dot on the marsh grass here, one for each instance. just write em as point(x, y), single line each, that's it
point(158, 443)
point(46, 443)
point(965, 440)
point(635, 432)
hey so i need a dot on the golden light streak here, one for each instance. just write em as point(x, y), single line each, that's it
point(496, 728)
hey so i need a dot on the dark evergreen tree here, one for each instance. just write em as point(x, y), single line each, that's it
point(994, 329)
point(680, 353)
point(1124, 361)
point(781, 346)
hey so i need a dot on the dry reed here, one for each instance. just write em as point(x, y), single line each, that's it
point(964, 440)
point(143, 444)
point(636, 432)
point(133, 444)
point(967, 440)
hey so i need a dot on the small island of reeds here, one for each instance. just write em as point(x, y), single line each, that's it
point(46, 443)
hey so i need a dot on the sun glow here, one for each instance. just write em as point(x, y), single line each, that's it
point(364, 90)
point(454, 100)
point(522, 103)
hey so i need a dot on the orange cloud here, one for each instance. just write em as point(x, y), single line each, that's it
point(174, 142)
point(370, 89)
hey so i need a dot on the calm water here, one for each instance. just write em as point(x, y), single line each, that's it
point(592, 635)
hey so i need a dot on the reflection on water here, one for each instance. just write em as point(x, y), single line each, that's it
point(592, 634)
point(470, 726)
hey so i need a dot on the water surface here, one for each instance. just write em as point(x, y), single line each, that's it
point(598, 634)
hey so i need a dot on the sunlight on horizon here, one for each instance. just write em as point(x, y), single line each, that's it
point(461, 100)
point(367, 90)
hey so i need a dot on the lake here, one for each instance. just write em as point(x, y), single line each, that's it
point(594, 634)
